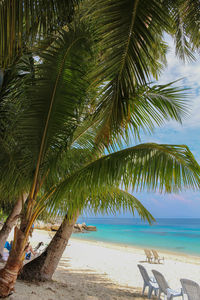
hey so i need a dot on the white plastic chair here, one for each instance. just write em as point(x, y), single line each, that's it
point(148, 282)
point(164, 287)
point(157, 258)
point(149, 256)
point(191, 289)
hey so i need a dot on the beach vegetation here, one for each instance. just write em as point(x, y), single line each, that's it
point(80, 96)
point(25, 23)
point(115, 109)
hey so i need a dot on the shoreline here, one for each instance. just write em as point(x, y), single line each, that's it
point(134, 248)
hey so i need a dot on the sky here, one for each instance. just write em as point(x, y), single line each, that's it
point(185, 204)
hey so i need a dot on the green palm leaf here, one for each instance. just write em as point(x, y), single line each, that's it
point(12, 105)
point(109, 200)
point(116, 200)
point(147, 107)
point(132, 47)
point(132, 50)
point(154, 105)
point(184, 19)
point(128, 31)
point(168, 168)
point(25, 21)
point(54, 98)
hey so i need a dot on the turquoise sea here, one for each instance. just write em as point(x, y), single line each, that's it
point(177, 235)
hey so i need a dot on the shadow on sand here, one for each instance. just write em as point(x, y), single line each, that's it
point(93, 286)
point(74, 284)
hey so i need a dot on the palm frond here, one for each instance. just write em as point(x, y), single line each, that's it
point(154, 105)
point(131, 50)
point(12, 182)
point(110, 200)
point(25, 21)
point(11, 107)
point(127, 31)
point(167, 168)
point(53, 98)
point(85, 134)
point(183, 46)
point(191, 19)
point(117, 200)
point(149, 106)
point(185, 28)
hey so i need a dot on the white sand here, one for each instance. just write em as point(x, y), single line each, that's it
point(101, 271)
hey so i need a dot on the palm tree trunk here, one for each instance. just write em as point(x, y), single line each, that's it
point(9, 273)
point(10, 222)
point(43, 267)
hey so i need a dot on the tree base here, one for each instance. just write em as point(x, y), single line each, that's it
point(32, 271)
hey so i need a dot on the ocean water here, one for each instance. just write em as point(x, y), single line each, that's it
point(177, 235)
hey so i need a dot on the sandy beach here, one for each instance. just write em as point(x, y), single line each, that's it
point(96, 270)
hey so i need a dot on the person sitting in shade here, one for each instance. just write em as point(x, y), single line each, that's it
point(29, 250)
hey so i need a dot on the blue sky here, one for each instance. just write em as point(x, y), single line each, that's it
point(185, 204)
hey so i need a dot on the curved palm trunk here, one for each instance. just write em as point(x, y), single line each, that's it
point(9, 273)
point(43, 267)
point(10, 222)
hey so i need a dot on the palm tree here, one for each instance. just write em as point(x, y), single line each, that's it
point(43, 267)
point(13, 78)
point(130, 38)
point(27, 23)
point(51, 122)
point(152, 166)
point(46, 124)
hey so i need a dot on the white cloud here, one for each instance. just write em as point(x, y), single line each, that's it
point(190, 72)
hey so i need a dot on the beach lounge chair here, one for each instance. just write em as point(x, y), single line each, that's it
point(157, 258)
point(164, 287)
point(191, 289)
point(149, 256)
point(148, 282)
